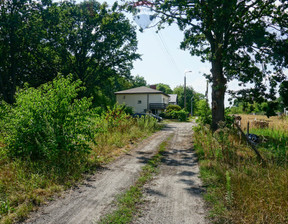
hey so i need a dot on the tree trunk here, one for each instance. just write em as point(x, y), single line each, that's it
point(218, 92)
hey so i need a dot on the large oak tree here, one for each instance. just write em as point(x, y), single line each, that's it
point(240, 38)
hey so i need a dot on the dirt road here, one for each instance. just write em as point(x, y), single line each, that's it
point(173, 197)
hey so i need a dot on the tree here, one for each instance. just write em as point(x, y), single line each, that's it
point(283, 91)
point(164, 88)
point(99, 43)
point(39, 39)
point(179, 90)
point(138, 81)
point(21, 52)
point(238, 38)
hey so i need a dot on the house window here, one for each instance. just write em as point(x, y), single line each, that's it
point(139, 101)
point(124, 97)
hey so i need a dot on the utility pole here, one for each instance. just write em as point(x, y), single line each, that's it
point(192, 105)
point(185, 88)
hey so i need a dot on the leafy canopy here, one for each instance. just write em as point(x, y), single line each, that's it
point(240, 38)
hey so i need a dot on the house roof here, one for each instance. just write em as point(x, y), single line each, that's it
point(141, 90)
point(173, 98)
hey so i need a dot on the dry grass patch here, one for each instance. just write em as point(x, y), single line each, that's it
point(240, 189)
point(279, 123)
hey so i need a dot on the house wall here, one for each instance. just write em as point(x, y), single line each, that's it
point(133, 100)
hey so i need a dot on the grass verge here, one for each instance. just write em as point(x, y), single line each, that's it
point(24, 185)
point(239, 188)
point(128, 202)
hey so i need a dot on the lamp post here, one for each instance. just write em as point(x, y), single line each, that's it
point(185, 88)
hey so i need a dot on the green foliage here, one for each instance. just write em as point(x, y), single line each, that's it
point(170, 111)
point(190, 93)
point(270, 109)
point(182, 115)
point(128, 110)
point(283, 91)
point(50, 124)
point(33, 49)
point(204, 112)
point(173, 107)
point(147, 122)
point(164, 88)
point(275, 142)
point(234, 47)
point(138, 81)
point(235, 179)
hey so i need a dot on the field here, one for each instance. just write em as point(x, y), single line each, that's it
point(276, 123)
point(240, 189)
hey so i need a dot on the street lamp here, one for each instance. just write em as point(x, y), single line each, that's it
point(185, 88)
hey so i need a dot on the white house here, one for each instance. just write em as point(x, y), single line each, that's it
point(173, 99)
point(143, 99)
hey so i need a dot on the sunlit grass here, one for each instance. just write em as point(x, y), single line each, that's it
point(279, 123)
point(25, 185)
point(254, 192)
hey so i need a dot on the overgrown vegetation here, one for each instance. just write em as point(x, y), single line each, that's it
point(239, 188)
point(175, 112)
point(128, 202)
point(50, 137)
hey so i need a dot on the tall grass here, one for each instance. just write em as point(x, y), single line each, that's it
point(24, 186)
point(57, 131)
point(274, 138)
point(239, 188)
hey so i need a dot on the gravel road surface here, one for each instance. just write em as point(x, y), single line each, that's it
point(174, 196)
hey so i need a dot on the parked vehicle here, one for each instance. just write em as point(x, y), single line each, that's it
point(158, 118)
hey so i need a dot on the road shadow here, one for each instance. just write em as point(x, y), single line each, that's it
point(153, 192)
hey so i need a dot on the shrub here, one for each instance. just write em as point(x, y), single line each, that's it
point(171, 111)
point(204, 111)
point(173, 107)
point(128, 110)
point(182, 115)
point(49, 124)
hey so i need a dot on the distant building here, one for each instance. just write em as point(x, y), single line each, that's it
point(143, 99)
point(173, 99)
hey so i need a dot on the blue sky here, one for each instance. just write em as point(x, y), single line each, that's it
point(164, 62)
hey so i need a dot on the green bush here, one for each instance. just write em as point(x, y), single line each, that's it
point(50, 124)
point(173, 107)
point(128, 110)
point(116, 117)
point(171, 112)
point(4, 110)
point(182, 115)
point(204, 111)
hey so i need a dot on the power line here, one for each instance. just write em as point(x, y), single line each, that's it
point(161, 38)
